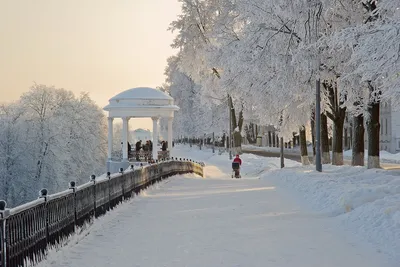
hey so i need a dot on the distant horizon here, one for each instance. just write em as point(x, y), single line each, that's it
point(76, 94)
point(144, 123)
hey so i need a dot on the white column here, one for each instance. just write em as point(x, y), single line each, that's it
point(110, 138)
point(155, 137)
point(124, 139)
point(170, 134)
point(127, 132)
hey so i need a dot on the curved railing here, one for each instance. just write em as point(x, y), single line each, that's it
point(28, 230)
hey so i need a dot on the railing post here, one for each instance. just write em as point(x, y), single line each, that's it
point(4, 214)
point(93, 179)
point(121, 171)
point(72, 185)
point(43, 194)
point(109, 191)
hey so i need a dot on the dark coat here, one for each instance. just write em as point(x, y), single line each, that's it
point(138, 145)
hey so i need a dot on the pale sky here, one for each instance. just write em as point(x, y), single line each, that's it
point(98, 46)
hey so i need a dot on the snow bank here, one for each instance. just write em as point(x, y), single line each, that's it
point(365, 201)
point(385, 156)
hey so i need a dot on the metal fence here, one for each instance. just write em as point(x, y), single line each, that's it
point(28, 230)
point(147, 155)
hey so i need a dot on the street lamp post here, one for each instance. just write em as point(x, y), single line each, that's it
point(281, 143)
point(318, 165)
point(230, 128)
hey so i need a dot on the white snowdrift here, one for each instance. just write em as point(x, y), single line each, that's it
point(365, 201)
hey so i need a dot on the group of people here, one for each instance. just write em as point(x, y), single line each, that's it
point(146, 147)
point(138, 146)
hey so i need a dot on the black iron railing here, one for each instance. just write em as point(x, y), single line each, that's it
point(28, 230)
point(147, 155)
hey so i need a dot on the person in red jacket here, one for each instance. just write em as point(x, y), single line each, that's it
point(238, 160)
point(236, 169)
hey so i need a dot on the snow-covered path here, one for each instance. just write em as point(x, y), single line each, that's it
point(191, 221)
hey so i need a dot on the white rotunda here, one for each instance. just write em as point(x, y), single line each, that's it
point(141, 102)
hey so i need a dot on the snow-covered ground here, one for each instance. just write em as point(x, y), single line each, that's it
point(385, 156)
point(365, 202)
point(271, 217)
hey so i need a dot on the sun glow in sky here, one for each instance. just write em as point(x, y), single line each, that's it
point(98, 46)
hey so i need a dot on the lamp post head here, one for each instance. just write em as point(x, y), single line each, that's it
point(72, 185)
point(3, 205)
point(43, 193)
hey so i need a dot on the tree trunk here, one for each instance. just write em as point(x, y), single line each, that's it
point(269, 139)
point(351, 135)
point(256, 133)
point(273, 139)
point(373, 136)
point(312, 138)
point(237, 125)
point(337, 144)
point(303, 146)
point(326, 158)
point(294, 140)
point(346, 140)
point(337, 114)
point(237, 143)
point(358, 141)
point(313, 132)
point(251, 133)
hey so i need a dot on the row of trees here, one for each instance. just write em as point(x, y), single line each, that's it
point(47, 139)
point(260, 60)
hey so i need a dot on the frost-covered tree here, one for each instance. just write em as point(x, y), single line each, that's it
point(50, 138)
point(266, 55)
point(198, 47)
point(13, 173)
point(372, 66)
point(197, 115)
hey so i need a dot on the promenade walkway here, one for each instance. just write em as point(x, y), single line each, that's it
point(191, 221)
